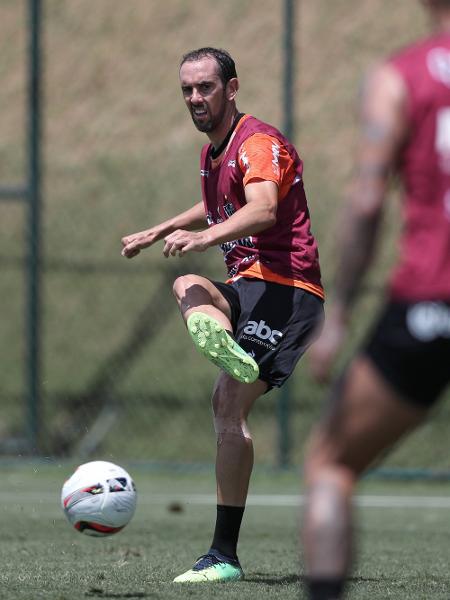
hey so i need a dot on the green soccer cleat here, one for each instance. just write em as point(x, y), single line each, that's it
point(211, 339)
point(212, 567)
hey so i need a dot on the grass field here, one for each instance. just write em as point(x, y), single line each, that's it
point(403, 532)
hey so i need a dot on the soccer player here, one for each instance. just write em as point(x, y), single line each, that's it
point(391, 384)
point(256, 326)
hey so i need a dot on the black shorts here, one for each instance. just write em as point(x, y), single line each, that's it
point(410, 346)
point(273, 323)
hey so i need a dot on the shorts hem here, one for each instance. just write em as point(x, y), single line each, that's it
point(391, 379)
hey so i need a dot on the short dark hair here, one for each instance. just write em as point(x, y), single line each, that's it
point(227, 68)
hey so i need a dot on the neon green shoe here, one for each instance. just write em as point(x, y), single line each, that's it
point(214, 568)
point(216, 345)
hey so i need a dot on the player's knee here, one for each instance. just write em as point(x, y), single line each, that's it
point(324, 467)
point(191, 288)
point(230, 425)
point(228, 406)
point(228, 417)
point(180, 285)
point(184, 285)
point(319, 456)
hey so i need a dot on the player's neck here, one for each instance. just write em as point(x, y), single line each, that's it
point(220, 133)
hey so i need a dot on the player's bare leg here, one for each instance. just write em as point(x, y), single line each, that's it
point(197, 294)
point(207, 315)
point(366, 417)
point(232, 402)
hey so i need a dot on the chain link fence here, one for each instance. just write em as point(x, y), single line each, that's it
point(120, 378)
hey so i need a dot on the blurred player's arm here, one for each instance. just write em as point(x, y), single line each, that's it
point(191, 219)
point(382, 131)
point(257, 214)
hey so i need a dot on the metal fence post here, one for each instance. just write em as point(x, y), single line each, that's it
point(284, 397)
point(34, 219)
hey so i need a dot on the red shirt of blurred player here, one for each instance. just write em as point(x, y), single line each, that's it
point(423, 271)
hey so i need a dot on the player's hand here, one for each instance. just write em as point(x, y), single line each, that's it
point(323, 352)
point(134, 243)
point(180, 242)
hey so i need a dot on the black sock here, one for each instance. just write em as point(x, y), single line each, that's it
point(325, 589)
point(226, 533)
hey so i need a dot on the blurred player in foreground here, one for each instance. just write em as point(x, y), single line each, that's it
point(256, 326)
point(389, 387)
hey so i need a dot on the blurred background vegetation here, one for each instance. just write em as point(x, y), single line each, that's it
point(120, 377)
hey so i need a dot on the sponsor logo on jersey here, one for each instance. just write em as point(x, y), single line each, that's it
point(233, 271)
point(229, 209)
point(204, 173)
point(447, 205)
point(276, 158)
point(246, 242)
point(244, 159)
point(227, 247)
point(427, 321)
point(438, 61)
point(262, 332)
point(231, 163)
point(442, 141)
point(275, 155)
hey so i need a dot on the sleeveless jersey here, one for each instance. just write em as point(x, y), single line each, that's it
point(288, 248)
point(423, 270)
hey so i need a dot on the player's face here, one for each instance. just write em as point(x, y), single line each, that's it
point(204, 93)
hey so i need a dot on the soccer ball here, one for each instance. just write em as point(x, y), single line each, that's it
point(99, 498)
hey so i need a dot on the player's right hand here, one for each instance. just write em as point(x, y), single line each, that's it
point(134, 243)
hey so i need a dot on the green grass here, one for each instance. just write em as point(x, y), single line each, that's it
point(402, 552)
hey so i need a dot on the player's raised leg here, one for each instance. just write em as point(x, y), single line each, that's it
point(366, 417)
point(232, 402)
point(208, 318)
point(195, 293)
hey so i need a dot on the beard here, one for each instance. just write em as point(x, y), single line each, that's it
point(212, 121)
point(203, 126)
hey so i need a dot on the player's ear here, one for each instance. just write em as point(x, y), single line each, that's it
point(232, 88)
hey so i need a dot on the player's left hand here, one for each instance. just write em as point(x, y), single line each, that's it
point(180, 242)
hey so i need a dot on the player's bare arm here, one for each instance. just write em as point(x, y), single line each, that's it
point(191, 219)
point(382, 132)
point(258, 214)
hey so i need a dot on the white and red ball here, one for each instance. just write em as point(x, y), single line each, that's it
point(99, 498)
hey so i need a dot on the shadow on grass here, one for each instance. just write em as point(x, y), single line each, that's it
point(364, 579)
point(294, 578)
point(100, 593)
point(263, 578)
